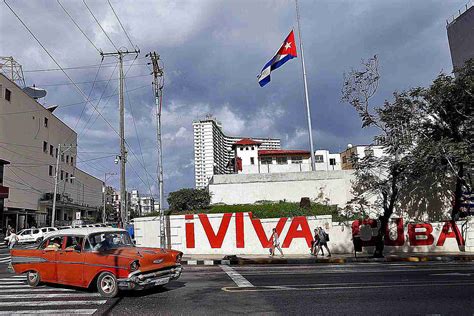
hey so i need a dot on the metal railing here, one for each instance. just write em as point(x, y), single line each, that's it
point(466, 7)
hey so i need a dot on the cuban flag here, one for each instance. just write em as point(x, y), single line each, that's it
point(286, 52)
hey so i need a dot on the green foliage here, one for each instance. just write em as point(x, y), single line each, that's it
point(189, 199)
point(276, 210)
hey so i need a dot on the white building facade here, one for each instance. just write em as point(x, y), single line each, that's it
point(30, 135)
point(213, 150)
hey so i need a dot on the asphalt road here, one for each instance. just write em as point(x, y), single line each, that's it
point(360, 289)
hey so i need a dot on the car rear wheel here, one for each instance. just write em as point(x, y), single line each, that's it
point(107, 284)
point(33, 278)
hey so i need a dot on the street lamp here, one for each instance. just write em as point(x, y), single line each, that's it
point(104, 192)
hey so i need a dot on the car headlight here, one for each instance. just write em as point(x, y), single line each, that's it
point(134, 265)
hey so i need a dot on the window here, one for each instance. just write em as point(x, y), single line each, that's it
point(252, 161)
point(297, 159)
point(51, 150)
point(266, 160)
point(35, 231)
point(319, 158)
point(74, 243)
point(281, 160)
point(8, 95)
point(67, 177)
point(67, 158)
point(369, 152)
point(50, 171)
point(62, 157)
point(332, 161)
point(56, 153)
point(252, 148)
point(45, 122)
point(62, 175)
point(45, 147)
point(246, 148)
point(72, 161)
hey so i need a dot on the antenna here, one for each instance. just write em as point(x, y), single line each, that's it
point(12, 70)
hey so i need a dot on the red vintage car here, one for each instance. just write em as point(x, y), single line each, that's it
point(102, 257)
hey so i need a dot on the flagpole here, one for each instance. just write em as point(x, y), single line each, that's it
point(308, 111)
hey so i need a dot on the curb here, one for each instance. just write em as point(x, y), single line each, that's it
point(300, 261)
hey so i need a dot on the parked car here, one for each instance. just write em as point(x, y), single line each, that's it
point(32, 234)
point(101, 257)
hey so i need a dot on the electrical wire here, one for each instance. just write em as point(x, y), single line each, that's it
point(136, 133)
point(97, 21)
point(78, 27)
point(87, 82)
point(121, 25)
point(72, 104)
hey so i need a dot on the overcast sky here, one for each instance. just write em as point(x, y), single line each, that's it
point(212, 51)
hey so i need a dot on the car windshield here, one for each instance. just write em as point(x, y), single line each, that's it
point(110, 240)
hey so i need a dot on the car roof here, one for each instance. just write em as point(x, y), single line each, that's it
point(84, 231)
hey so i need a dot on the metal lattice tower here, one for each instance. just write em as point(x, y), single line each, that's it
point(12, 70)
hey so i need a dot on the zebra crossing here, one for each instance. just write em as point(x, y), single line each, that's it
point(18, 298)
point(5, 257)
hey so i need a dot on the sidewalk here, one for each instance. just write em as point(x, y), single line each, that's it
point(334, 259)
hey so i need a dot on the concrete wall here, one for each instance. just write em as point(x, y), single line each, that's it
point(333, 186)
point(239, 233)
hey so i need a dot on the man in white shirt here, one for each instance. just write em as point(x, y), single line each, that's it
point(275, 243)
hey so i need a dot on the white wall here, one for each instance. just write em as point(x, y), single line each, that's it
point(238, 234)
point(333, 186)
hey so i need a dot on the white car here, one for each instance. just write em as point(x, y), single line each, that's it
point(32, 234)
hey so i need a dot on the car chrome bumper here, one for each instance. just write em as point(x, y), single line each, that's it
point(140, 281)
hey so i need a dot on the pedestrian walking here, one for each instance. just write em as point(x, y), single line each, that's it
point(323, 239)
point(13, 239)
point(316, 241)
point(275, 243)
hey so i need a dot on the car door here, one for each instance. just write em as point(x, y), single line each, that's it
point(25, 236)
point(48, 268)
point(71, 261)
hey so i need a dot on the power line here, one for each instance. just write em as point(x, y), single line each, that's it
point(86, 82)
point(104, 65)
point(110, 4)
point(73, 21)
point(136, 133)
point(97, 21)
point(72, 104)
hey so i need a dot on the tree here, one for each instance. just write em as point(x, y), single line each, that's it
point(189, 199)
point(446, 148)
point(384, 176)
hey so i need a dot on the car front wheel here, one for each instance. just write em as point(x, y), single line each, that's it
point(33, 278)
point(107, 284)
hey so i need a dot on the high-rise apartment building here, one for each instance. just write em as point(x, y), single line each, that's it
point(213, 150)
point(460, 30)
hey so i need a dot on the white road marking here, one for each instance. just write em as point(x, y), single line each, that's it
point(236, 277)
point(192, 262)
point(208, 262)
point(452, 274)
point(11, 282)
point(65, 295)
point(51, 312)
point(363, 287)
point(52, 303)
point(19, 276)
point(29, 289)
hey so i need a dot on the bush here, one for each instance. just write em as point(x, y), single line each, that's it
point(276, 210)
point(189, 199)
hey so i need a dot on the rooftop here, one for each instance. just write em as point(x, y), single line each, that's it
point(282, 152)
point(247, 142)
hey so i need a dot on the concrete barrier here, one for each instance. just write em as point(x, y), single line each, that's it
point(240, 234)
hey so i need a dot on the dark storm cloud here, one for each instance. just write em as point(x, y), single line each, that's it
point(213, 51)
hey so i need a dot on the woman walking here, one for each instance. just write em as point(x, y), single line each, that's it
point(323, 239)
point(275, 243)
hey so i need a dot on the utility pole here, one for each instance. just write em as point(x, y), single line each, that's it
point(56, 173)
point(123, 154)
point(158, 84)
point(105, 193)
point(53, 212)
